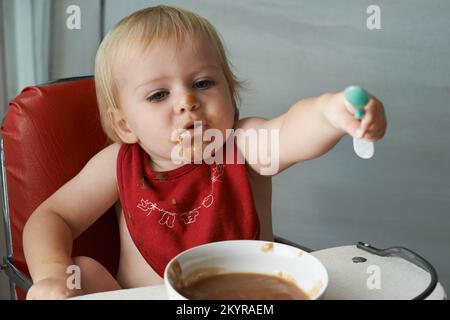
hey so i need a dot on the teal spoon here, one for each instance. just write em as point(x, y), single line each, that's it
point(359, 98)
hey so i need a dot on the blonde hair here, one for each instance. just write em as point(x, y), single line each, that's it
point(142, 27)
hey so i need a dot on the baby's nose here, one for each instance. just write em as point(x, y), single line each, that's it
point(187, 103)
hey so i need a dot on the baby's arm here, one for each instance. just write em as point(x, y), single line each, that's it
point(310, 128)
point(51, 229)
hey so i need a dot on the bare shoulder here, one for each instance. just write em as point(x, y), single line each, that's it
point(84, 198)
point(254, 132)
point(101, 168)
point(106, 156)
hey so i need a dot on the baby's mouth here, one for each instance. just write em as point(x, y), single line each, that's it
point(188, 139)
point(190, 129)
point(196, 125)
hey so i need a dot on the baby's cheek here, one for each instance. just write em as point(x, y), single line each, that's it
point(155, 137)
point(228, 116)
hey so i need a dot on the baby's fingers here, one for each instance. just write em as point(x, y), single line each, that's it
point(375, 133)
point(373, 116)
point(371, 111)
point(369, 116)
point(351, 125)
point(376, 130)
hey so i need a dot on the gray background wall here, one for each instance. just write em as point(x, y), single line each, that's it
point(290, 50)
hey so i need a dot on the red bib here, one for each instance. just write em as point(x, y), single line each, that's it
point(172, 211)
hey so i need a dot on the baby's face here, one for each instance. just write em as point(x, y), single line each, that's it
point(169, 87)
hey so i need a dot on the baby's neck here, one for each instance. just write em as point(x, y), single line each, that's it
point(163, 165)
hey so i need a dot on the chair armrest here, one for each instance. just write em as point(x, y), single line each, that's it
point(16, 276)
point(290, 243)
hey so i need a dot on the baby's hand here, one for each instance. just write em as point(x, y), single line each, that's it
point(51, 289)
point(341, 115)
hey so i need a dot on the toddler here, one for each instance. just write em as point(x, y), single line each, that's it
point(181, 169)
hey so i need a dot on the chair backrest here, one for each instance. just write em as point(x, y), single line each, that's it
point(49, 133)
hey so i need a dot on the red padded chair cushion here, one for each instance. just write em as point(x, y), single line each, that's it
point(49, 133)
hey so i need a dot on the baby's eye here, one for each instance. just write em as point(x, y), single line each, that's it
point(203, 84)
point(158, 96)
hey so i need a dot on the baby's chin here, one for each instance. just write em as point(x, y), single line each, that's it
point(205, 151)
point(190, 146)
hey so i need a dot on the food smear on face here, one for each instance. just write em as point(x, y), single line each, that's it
point(242, 286)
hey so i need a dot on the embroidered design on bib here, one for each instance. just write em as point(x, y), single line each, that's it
point(168, 217)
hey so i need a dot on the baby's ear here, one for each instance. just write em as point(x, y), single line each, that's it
point(121, 127)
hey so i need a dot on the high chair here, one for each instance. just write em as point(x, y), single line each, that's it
point(48, 134)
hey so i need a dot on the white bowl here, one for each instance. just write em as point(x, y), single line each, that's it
point(255, 256)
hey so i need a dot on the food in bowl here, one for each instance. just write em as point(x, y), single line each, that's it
point(245, 269)
point(242, 286)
